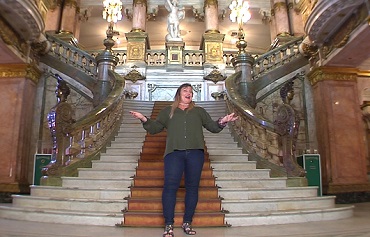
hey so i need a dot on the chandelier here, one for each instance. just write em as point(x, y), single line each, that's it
point(112, 10)
point(239, 12)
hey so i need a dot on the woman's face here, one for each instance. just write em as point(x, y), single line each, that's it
point(186, 94)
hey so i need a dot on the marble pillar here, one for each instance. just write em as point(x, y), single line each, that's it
point(68, 19)
point(280, 10)
point(211, 16)
point(339, 126)
point(139, 15)
point(18, 89)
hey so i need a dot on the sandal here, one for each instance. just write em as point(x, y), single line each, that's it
point(168, 231)
point(188, 229)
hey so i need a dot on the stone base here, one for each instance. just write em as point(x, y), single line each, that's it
point(6, 197)
point(354, 197)
point(14, 188)
point(51, 181)
point(297, 182)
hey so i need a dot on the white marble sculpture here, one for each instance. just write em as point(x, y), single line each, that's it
point(173, 21)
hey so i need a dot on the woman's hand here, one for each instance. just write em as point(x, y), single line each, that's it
point(138, 116)
point(228, 118)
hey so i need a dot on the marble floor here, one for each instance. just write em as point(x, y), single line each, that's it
point(357, 226)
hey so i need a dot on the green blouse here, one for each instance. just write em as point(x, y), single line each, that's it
point(184, 129)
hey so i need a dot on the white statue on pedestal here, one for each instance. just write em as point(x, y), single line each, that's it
point(173, 21)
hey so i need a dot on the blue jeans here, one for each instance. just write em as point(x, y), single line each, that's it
point(177, 163)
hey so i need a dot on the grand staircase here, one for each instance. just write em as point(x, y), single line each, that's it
point(239, 194)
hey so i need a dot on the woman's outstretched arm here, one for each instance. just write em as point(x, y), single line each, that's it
point(138, 116)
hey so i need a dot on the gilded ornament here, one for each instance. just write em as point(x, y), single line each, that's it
point(134, 75)
point(208, 3)
point(215, 76)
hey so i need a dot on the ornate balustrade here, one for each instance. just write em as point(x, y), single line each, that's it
point(275, 58)
point(158, 58)
point(81, 141)
point(72, 56)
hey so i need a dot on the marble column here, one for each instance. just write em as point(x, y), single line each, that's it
point(18, 90)
point(212, 44)
point(211, 16)
point(280, 12)
point(61, 18)
point(68, 19)
point(137, 38)
point(340, 130)
point(139, 15)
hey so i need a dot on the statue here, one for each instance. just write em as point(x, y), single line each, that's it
point(173, 21)
point(287, 126)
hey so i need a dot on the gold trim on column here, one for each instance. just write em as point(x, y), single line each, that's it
point(332, 74)
point(279, 5)
point(140, 2)
point(208, 3)
point(20, 70)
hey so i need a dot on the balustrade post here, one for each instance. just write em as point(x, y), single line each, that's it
point(106, 61)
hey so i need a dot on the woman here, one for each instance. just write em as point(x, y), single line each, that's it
point(184, 151)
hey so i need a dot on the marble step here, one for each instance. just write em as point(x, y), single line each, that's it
point(251, 183)
point(288, 216)
point(68, 204)
point(229, 193)
point(132, 129)
point(219, 140)
point(274, 204)
point(119, 157)
point(97, 194)
point(122, 151)
point(96, 183)
point(128, 140)
point(225, 151)
point(94, 173)
point(134, 145)
point(233, 165)
point(222, 145)
point(228, 157)
point(135, 133)
point(110, 165)
point(61, 217)
point(242, 174)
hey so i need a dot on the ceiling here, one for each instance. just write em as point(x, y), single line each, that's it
point(93, 28)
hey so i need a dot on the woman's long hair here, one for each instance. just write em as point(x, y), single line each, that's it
point(177, 98)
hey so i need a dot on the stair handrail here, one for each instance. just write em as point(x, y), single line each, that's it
point(276, 57)
point(84, 139)
point(72, 55)
point(255, 132)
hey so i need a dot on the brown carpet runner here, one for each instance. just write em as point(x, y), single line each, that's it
point(144, 203)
